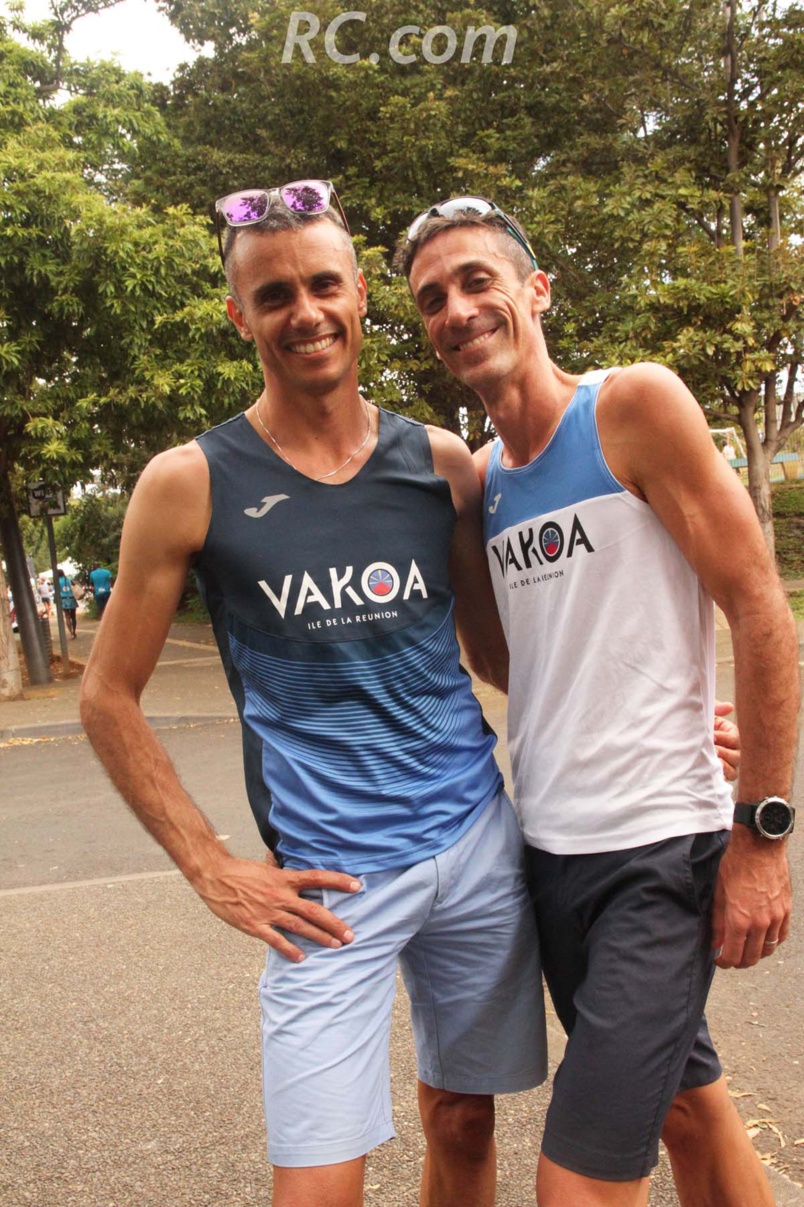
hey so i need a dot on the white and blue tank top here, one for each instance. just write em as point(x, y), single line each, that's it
point(364, 746)
point(611, 637)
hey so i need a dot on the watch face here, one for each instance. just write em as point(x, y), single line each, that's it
point(774, 818)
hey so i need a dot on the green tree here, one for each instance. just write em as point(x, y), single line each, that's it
point(90, 532)
point(112, 331)
point(35, 541)
point(395, 137)
point(653, 149)
point(688, 227)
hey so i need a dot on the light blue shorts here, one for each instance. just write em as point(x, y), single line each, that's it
point(462, 927)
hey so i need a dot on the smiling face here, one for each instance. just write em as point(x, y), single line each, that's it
point(300, 301)
point(481, 318)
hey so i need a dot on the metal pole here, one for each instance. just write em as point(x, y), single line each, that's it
point(33, 645)
point(54, 566)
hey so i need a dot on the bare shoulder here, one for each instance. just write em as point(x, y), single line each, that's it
point(174, 484)
point(647, 393)
point(656, 441)
point(446, 445)
point(453, 461)
point(181, 469)
point(165, 527)
point(651, 424)
point(481, 460)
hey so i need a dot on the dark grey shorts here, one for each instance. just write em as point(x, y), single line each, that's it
point(625, 943)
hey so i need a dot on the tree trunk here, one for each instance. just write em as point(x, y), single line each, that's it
point(10, 673)
point(733, 131)
point(759, 463)
point(759, 488)
point(33, 645)
point(775, 236)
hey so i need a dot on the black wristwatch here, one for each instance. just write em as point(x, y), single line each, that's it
point(773, 817)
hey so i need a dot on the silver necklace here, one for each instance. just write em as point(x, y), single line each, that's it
point(332, 472)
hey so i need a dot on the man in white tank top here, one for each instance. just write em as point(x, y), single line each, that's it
point(606, 504)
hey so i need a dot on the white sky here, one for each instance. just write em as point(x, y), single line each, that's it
point(134, 32)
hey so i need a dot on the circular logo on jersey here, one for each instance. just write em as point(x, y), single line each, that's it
point(551, 539)
point(380, 581)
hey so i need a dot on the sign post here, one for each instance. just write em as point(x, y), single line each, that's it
point(45, 500)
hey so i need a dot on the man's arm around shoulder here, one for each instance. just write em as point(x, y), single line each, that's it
point(164, 530)
point(476, 615)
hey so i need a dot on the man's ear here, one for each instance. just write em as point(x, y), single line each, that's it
point(362, 295)
point(238, 318)
point(541, 291)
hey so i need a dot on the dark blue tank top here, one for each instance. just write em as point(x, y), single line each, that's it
point(364, 746)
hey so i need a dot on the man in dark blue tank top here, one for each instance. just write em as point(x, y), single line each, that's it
point(337, 546)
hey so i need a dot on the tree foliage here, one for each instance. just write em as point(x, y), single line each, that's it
point(700, 216)
point(91, 530)
point(112, 330)
point(394, 137)
point(652, 148)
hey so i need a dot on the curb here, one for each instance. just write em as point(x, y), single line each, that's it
point(63, 729)
point(786, 1192)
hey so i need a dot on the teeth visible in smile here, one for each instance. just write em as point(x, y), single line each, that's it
point(317, 345)
point(478, 339)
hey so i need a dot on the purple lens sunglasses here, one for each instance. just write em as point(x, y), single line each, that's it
point(249, 206)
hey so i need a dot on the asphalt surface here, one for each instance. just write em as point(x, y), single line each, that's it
point(130, 1025)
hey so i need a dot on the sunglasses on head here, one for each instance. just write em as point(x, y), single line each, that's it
point(249, 206)
point(471, 205)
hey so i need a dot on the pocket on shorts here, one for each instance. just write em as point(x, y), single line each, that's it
point(313, 894)
point(703, 860)
point(333, 899)
point(507, 802)
point(512, 818)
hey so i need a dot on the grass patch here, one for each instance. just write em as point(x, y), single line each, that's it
point(191, 609)
point(796, 601)
point(193, 613)
point(788, 523)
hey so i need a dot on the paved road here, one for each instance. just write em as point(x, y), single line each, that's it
point(130, 1023)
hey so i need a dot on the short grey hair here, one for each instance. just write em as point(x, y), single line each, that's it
point(279, 218)
point(406, 249)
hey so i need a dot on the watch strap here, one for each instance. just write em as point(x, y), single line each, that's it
point(746, 815)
